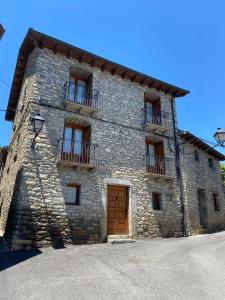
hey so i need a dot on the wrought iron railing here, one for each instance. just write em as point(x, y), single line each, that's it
point(160, 118)
point(159, 165)
point(77, 152)
point(90, 98)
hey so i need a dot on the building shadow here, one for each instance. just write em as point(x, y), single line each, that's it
point(10, 259)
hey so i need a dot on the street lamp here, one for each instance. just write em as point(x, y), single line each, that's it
point(37, 123)
point(220, 137)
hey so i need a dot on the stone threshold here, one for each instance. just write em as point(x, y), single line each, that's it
point(120, 239)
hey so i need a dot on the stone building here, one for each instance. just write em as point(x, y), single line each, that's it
point(107, 161)
point(202, 185)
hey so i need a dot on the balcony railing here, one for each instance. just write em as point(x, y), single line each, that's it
point(161, 166)
point(89, 99)
point(72, 152)
point(158, 119)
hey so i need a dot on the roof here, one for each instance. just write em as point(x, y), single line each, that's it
point(2, 30)
point(34, 39)
point(202, 145)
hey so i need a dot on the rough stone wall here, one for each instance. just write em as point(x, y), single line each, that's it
point(18, 142)
point(38, 214)
point(198, 175)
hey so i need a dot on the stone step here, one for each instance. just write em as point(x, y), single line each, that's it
point(120, 239)
point(3, 245)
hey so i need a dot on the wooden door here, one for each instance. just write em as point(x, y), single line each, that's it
point(117, 218)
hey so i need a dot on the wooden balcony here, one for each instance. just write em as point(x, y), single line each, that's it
point(83, 103)
point(160, 167)
point(77, 154)
point(159, 122)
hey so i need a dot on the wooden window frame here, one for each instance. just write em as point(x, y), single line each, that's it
point(88, 85)
point(157, 202)
point(159, 166)
point(77, 200)
point(156, 112)
point(86, 138)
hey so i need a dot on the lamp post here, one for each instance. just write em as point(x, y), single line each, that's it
point(220, 137)
point(37, 122)
point(2, 30)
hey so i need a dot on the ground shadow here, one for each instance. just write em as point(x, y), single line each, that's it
point(9, 259)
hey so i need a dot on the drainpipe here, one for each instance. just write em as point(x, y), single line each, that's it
point(178, 169)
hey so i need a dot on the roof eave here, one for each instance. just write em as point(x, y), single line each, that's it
point(36, 39)
point(202, 145)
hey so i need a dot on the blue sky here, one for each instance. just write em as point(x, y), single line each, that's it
point(181, 42)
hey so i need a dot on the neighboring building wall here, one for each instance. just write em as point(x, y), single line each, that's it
point(197, 175)
point(42, 217)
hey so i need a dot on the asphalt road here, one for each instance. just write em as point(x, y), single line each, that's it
point(184, 268)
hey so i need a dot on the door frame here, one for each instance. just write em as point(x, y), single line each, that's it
point(131, 206)
point(127, 207)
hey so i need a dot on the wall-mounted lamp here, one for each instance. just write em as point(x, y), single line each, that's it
point(37, 123)
point(220, 137)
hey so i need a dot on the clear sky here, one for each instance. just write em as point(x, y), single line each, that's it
point(180, 42)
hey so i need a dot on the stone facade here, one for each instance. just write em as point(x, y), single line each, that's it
point(197, 177)
point(34, 183)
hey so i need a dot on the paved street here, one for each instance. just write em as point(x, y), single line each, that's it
point(185, 268)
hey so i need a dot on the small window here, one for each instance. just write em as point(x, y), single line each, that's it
point(156, 201)
point(72, 194)
point(196, 155)
point(210, 163)
point(216, 202)
point(18, 139)
point(15, 158)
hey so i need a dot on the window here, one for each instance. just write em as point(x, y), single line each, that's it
point(196, 155)
point(152, 111)
point(72, 140)
point(78, 88)
point(155, 157)
point(76, 144)
point(72, 194)
point(210, 163)
point(216, 202)
point(156, 201)
point(18, 139)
